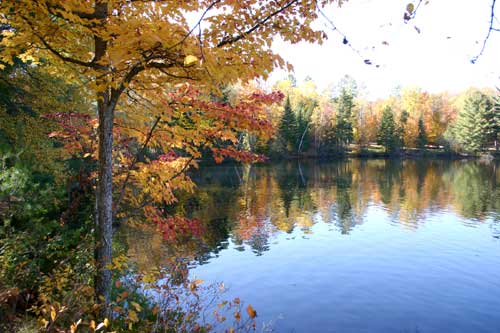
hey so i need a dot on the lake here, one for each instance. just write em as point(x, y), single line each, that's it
point(352, 246)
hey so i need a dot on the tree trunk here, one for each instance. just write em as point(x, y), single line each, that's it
point(104, 201)
point(106, 101)
point(302, 138)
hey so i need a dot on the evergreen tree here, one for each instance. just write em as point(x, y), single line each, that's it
point(403, 120)
point(345, 105)
point(476, 123)
point(288, 128)
point(422, 136)
point(494, 117)
point(387, 134)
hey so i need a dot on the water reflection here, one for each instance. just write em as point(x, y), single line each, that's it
point(259, 201)
point(249, 204)
point(358, 245)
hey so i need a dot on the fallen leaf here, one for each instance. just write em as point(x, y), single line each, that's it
point(251, 311)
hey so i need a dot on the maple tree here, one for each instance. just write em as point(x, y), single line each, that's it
point(148, 67)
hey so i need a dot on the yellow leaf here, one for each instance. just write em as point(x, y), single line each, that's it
point(136, 306)
point(106, 322)
point(92, 325)
point(75, 326)
point(251, 311)
point(133, 316)
point(190, 60)
point(53, 313)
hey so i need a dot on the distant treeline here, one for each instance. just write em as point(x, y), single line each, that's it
point(340, 120)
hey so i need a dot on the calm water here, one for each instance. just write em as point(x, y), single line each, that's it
point(357, 246)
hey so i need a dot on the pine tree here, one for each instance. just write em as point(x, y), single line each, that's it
point(288, 128)
point(494, 116)
point(403, 120)
point(387, 134)
point(422, 136)
point(476, 123)
point(345, 104)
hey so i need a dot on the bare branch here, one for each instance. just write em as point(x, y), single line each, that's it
point(260, 23)
point(490, 29)
point(197, 25)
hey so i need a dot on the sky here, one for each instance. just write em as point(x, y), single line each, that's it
point(436, 59)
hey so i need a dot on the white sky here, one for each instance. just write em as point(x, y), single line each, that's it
point(429, 60)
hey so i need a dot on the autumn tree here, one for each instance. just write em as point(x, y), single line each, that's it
point(143, 50)
point(418, 104)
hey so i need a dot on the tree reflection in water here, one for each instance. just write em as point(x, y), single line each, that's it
point(249, 204)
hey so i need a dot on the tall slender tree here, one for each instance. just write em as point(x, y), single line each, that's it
point(345, 105)
point(421, 136)
point(403, 121)
point(387, 134)
point(288, 130)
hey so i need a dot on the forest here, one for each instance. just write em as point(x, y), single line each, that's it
point(108, 108)
point(341, 121)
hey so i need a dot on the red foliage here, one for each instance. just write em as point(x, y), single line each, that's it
point(77, 132)
point(239, 155)
point(171, 227)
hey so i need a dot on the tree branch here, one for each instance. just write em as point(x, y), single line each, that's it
point(132, 165)
point(490, 29)
point(233, 39)
point(49, 47)
point(196, 25)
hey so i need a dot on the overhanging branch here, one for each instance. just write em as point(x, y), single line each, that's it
point(490, 29)
point(260, 23)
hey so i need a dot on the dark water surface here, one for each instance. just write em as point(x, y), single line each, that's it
point(354, 246)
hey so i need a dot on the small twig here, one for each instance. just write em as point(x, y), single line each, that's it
point(195, 26)
point(490, 29)
point(233, 39)
point(345, 40)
